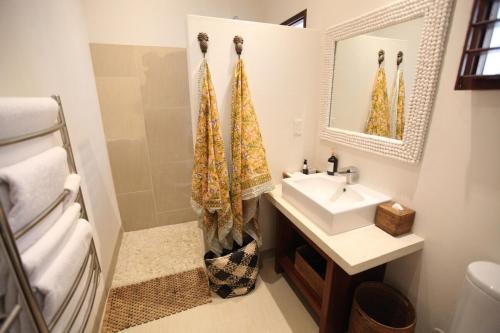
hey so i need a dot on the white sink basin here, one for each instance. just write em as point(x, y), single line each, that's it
point(332, 204)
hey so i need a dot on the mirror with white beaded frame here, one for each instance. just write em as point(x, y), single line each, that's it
point(379, 77)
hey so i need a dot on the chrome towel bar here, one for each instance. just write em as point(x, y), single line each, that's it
point(8, 239)
point(73, 288)
point(31, 136)
point(11, 317)
point(81, 301)
point(21, 232)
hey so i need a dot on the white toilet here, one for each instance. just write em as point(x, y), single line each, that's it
point(479, 306)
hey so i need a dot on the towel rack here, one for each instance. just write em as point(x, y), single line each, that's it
point(11, 317)
point(74, 286)
point(24, 230)
point(14, 260)
point(29, 136)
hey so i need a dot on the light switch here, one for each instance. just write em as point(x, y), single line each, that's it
point(298, 126)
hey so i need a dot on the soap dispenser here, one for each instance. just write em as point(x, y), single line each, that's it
point(305, 168)
point(332, 165)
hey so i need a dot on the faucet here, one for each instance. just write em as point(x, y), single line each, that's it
point(351, 174)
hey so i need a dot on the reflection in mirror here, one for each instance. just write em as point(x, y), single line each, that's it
point(373, 78)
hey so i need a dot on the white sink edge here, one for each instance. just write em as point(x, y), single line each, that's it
point(369, 201)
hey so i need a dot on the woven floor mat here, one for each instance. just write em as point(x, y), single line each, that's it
point(150, 300)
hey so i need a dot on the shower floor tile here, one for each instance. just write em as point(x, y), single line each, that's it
point(156, 252)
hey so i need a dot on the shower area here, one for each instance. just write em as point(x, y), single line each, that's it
point(144, 99)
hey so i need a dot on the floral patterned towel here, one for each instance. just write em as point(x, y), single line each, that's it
point(209, 185)
point(398, 107)
point(378, 119)
point(250, 174)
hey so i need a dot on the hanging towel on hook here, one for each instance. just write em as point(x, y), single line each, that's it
point(209, 185)
point(378, 118)
point(398, 106)
point(250, 175)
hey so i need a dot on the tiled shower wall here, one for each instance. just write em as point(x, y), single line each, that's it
point(144, 99)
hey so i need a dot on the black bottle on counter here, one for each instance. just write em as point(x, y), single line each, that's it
point(305, 168)
point(332, 165)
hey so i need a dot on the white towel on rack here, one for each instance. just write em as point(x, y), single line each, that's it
point(72, 184)
point(55, 283)
point(80, 292)
point(42, 253)
point(20, 116)
point(39, 230)
point(27, 188)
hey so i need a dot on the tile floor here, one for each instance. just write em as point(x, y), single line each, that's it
point(271, 307)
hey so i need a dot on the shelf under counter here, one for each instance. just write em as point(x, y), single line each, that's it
point(332, 307)
point(305, 289)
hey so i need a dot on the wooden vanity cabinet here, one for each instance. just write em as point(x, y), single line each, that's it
point(332, 308)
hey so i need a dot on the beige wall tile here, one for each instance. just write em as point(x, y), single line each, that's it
point(175, 216)
point(121, 107)
point(129, 165)
point(113, 60)
point(164, 77)
point(172, 185)
point(169, 134)
point(137, 210)
point(144, 99)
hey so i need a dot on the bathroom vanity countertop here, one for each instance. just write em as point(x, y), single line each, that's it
point(356, 250)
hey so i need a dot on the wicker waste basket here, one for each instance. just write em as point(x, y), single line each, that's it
point(235, 272)
point(379, 308)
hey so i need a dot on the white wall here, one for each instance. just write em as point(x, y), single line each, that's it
point(155, 22)
point(282, 64)
point(45, 51)
point(455, 189)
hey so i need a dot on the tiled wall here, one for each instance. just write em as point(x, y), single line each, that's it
point(144, 99)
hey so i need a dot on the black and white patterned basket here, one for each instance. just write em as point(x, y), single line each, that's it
point(234, 274)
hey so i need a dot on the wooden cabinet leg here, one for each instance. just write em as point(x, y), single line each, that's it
point(277, 266)
point(327, 316)
point(279, 250)
point(286, 240)
point(338, 295)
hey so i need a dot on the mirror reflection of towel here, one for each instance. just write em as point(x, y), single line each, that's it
point(378, 119)
point(209, 185)
point(398, 106)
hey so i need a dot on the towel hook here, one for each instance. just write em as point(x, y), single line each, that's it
point(400, 58)
point(238, 44)
point(203, 39)
point(381, 56)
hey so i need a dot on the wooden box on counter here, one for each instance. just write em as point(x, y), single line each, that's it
point(393, 221)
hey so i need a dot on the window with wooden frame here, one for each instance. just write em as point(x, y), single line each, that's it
point(298, 20)
point(480, 65)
